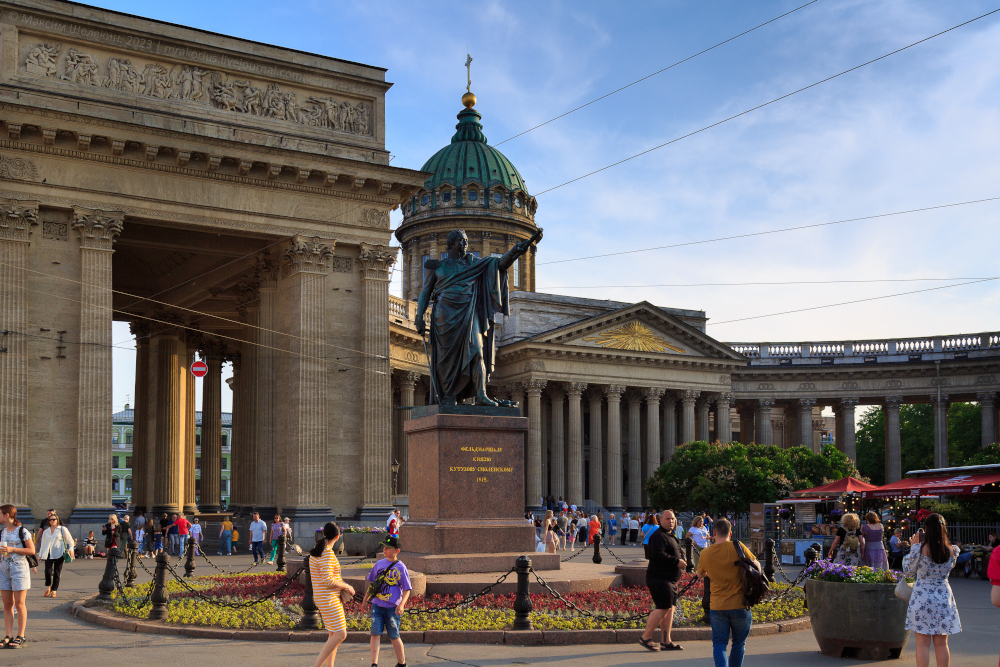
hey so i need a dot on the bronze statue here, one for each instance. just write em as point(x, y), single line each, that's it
point(466, 294)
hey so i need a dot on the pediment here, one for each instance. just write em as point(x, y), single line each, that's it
point(641, 328)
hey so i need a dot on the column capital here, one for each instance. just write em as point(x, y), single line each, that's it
point(653, 394)
point(575, 389)
point(534, 387)
point(308, 254)
point(165, 324)
point(212, 348)
point(141, 331)
point(634, 396)
point(943, 398)
point(807, 402)
point(409, 378)
point(818, 424)
point(614, 391)
point(690, 396)
point(849, 402)
point(97, 228)
point(987, 398)
point(17, 217)
point(892, 402)
point(265, 271)
point(248, 296)
point(376, 260)
point(765, 404)
point(725, 398)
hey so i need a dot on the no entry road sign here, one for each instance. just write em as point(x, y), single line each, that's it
point(199, 369)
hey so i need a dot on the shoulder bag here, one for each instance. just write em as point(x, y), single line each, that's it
point(904, 588)
point(755, 586)
point(31, 558)
point(67, 552)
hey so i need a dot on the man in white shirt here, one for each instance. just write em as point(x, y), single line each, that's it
point(257, 530)
point(633, 530)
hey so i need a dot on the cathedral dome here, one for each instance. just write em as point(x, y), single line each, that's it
point(470, 159)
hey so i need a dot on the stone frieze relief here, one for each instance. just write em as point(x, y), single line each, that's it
point(17, 168)
point(197, 85)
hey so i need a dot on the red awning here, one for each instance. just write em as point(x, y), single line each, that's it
point(941, 485)
point(840, 487)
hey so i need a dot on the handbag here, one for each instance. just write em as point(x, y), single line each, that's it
point(904, 589)
point(345, 596)
point(67, 554)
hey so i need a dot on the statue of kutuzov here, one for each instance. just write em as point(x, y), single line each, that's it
point(466, 294)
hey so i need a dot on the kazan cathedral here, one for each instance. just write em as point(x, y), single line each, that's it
point(609, 388)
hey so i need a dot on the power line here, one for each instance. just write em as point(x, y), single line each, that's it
point(786, 282)
point(761, 106)
point(846, 303)
point(774, 231)
point(661, 71)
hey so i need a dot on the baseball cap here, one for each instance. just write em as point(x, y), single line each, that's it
point(391, 541)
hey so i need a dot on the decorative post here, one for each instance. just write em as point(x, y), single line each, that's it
point(706, 601)
point(280, 561)
point(769, 559)
point(189, 565)
point(131, 555)
point(160, 597)
point(107, 585)
point(597, 549)
point(310, 614)
point(522, 603)
point(688, 548)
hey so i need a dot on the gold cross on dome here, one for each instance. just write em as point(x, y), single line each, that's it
point(468, 69)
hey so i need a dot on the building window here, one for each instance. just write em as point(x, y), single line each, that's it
point(517, 202)
point(446, 195)
point(197, 463)
point(114, 461)
point(498, 197)
point(225, 463)
point(424, 200)
point(128, 462)
point(128, 438)
point(114, 438)
point(224, 486)
point(473, 195)
point(197, 439)
point(114, 485)
point(128, 483)
point(225, 439)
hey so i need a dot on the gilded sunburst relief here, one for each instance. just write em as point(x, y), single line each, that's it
point(633, 336)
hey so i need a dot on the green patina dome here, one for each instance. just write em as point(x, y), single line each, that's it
point(469, 159)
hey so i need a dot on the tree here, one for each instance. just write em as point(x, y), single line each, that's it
point(730, 477)
point(869, 441)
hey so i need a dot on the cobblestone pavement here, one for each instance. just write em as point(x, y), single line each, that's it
point(57, 638)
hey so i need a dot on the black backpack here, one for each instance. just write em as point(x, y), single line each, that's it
point(755, 586)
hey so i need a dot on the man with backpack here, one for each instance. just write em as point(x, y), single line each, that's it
point(729, 575)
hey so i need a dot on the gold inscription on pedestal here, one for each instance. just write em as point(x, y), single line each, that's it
point(480, 470)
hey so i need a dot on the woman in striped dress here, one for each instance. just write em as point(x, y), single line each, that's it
point(324, 569)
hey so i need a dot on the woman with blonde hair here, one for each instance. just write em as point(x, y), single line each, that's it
point(850, 541)
point(111, 532)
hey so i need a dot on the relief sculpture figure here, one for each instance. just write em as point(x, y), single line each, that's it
point(41, 60)
point(122, 76)
point(80, 68)
point(465, 295)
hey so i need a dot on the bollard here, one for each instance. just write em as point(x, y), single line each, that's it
point(688, 547)
point(160, 597)
point(769, 559)
point(189, 565)
point(810, 555)
point(706, 601)
point(522, 603)
point(280, 560)
point(131, 555)
point(107, 585)
point(310, 614)
point(597, 550)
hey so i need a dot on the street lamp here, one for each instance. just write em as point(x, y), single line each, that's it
point(395, 475)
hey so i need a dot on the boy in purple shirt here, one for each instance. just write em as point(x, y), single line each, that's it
point(389, 590)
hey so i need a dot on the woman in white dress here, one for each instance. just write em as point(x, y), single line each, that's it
point(932, 612)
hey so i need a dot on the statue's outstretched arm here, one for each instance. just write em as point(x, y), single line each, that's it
point(519, 249)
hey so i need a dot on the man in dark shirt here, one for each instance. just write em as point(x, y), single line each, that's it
point(662, 574)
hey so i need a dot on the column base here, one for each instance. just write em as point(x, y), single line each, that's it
point(210, 509)
point(534, 509)
point(634, 508)
point(267, 512)
point(26, 518)
point(158, 510)
point(306, 521)
point(84, 519)
point(374, 513)
point(190, 510)
point(615, 509)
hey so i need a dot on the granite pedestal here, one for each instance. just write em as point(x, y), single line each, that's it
point(467, 491)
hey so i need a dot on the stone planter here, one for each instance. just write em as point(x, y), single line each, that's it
point(361, 544)
point(862, 621)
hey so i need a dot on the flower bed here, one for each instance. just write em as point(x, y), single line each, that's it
point(489, 612)
point(363, 529)
point(825, 570)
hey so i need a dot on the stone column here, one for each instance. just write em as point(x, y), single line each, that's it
point(265, 431)
point(306, 266)
point(487, 244)
point(688, 399)
point(846, 441)
point(407, 383)
point(533, 485)
point(805, 434)
point(763, 421)
point(669, 426)
point(702, 430)
point(652, 450)
point(634, 450)
point(97, 231)
point(988, 407)
point(940, 405)
point(140, 415)
point(596, 449)
point(723, 421)
point(574, 444)
point(190, 421)
point(237, 456)
point(893, 464)
point(793, 430)
point(211, 429)
point(746, 424)
point(248, 312)
point(168, 350)
point(16, 220)
point(558, 443)
point(614, 474)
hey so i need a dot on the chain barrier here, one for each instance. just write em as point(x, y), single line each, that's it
point(204, 555)
point(608, 548)
point(466, 600)
point(566, 560)
point(121, 589)
point(586, 612)
point(373, 554)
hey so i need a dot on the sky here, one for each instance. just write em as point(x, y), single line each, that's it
point(917, 129)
